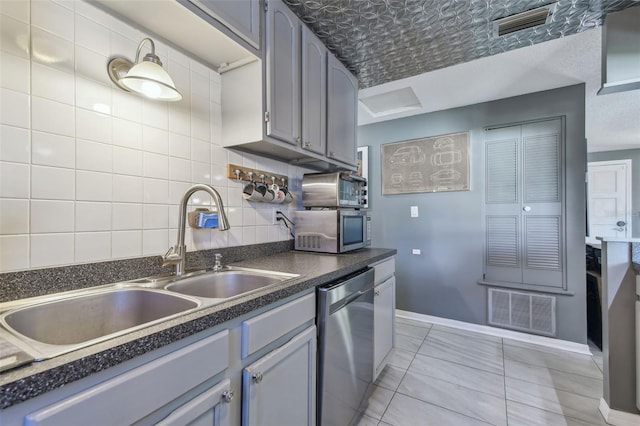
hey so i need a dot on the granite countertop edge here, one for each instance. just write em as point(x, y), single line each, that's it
point(21, 384)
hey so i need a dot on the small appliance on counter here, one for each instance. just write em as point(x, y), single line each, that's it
point(333, 220)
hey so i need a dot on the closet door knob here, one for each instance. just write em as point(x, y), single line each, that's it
point(526, 208)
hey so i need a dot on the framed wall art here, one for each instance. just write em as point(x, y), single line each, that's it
point(433, 164)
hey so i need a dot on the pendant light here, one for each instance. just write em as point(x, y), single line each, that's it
point(146, 77)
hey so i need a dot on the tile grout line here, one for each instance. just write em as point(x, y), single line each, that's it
point(504, 382)
point(395, 392)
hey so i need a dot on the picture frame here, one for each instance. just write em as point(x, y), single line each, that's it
point(431, 164)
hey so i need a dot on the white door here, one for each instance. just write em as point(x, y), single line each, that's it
point(609, 195)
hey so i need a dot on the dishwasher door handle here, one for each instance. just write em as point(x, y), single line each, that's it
point(346, 301)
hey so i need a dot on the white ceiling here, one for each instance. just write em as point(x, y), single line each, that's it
point(612, 121)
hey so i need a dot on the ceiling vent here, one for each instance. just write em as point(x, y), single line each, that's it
point(392, 102)
point(522, 21)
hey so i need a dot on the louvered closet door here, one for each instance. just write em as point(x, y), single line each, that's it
point(542, 204)
point(523, 204)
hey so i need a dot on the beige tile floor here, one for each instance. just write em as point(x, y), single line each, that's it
point(445, 376)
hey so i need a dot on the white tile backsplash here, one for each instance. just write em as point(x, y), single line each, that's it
point(17, 9)
point(49, 149)
point(14, 72)
point(14, 216)
point(54, 18)
point(93, 217)
point(127, 189)
point(52, 117)
point(13, 36)
point(93, 186)
point(52, 50)
point(94, 156)
point(93, 126)
point(126, 244)
point(51, 216)
point(14, 108)
point(89, 172)
point(14, 251)
point(92, 246)
point(51, 249)
point(52, 183)
point(14, 144)
point(52, 84)
point(126, 216)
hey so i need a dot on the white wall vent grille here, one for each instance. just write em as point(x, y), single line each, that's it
point(522, 311)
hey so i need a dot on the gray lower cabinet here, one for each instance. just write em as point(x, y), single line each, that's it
point(280, 387)
point(211, 408)
point(384, 312)
point(342, 112)
point(134, 395)
point(383, 307)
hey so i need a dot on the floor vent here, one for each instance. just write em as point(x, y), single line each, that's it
point(529, 312)
point(522, 21)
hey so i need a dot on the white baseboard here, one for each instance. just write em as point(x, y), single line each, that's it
point(618, 418)
point(499, 332)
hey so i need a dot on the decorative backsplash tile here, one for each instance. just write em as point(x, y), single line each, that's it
point(90, 173)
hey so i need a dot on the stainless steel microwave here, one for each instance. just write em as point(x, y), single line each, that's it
point(333, 190)
point(332, 231)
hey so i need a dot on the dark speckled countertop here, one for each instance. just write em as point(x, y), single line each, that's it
point(29, 381)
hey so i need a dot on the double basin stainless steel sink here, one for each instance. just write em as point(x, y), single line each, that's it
point(52, 325)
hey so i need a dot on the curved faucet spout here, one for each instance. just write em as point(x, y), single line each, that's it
point(177, 254)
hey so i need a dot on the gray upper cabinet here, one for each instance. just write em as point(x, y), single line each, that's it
point(524, 217)
point(283, 73)
point(314, 93)
point(342, 112)
point(242, 17)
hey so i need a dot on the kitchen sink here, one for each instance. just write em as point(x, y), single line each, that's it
point(48, 326)
point(227, 283)
point(89, 318)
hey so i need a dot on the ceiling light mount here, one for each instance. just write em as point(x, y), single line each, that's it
point(146, 77)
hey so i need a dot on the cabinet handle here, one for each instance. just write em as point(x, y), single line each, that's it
point(298, 140)
point(307, 144)
point(377, 292)
point(332, 154)
point(227, 396)
point(257, 377)
point(526, 208)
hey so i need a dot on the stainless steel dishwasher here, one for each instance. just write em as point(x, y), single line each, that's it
point(345, 348)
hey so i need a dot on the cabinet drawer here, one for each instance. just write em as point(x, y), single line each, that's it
point(133, 395)
point(263, 329)
point(384, 270)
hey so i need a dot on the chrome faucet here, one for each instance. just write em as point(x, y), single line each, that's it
point(176, 255)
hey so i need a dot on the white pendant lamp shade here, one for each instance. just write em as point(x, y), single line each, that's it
point(146, 77)
point(152, 81)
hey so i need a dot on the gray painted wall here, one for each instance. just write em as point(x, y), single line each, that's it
point(442, 280)
point(634, 156)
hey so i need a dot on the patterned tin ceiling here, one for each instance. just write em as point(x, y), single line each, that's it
point(386, 40)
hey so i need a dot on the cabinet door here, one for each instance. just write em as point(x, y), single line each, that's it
point(383, 309)
point(523, 204)
point(342, 112)
point(280, 388)
point(314, 93)
point(211, 408)
point(282, 58)
point(241, 17)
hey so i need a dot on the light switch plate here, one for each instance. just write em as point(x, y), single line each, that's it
point(414, 211)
